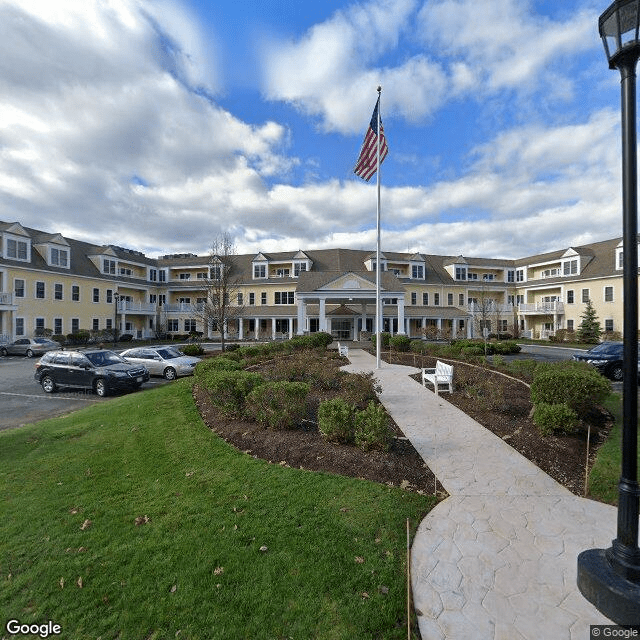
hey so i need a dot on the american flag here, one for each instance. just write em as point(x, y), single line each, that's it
point(367, 163)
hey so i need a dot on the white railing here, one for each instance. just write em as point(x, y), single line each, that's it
point(542, 307)
point(489, 308)
point(6, 298)
point(183, 307)
point(125, 306)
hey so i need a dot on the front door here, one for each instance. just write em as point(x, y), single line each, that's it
point(342, 328)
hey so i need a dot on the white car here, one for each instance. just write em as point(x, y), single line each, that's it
point(162, 361)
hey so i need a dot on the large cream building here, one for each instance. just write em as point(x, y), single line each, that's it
point(48, 281)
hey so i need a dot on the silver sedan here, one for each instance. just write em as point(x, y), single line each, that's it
point(162, 361)
point(29, 347)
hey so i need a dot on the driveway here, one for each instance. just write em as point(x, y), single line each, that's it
point(23, 401)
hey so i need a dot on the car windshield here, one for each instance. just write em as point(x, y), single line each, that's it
point(104, 358)
point(169, 354)
point(605, 347)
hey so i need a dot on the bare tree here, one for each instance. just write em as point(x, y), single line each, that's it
point(223, 300)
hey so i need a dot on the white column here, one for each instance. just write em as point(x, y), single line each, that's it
point(225, 328)
point(273, 328)
point(301, 313)
point(240, 328)
point(256, 327)
point(401, 327)
point(363, 309)
point(290, 328)
point(322, 317)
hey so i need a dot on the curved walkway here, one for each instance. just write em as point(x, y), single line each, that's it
point(497, 559)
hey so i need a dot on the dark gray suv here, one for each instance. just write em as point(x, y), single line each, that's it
point(97, 369)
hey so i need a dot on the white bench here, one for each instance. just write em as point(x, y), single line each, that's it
point(343, 350)
point(441, 375)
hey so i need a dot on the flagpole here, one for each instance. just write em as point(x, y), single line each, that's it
point(378, 302)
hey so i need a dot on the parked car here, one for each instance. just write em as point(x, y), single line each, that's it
point(29, 347)
point(606, 357)
point(162, 361)
point(98, 369)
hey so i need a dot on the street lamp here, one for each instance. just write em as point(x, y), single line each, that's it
point(610, 578)
point(116, 299)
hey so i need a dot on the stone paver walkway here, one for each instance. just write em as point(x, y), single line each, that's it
point(497, 560)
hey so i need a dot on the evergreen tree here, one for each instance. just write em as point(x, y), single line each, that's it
point(589, 330)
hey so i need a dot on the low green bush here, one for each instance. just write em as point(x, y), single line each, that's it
point(384, 339)
point(78, 338)
point(219, 363)
point(371, 428)
point(336, 420)
point(229, 389)
point(576, 384)
point(192, 350)
point(399, 343)
point(277, 405)
point(359, 389)
point(553, 418)
point(418, 346)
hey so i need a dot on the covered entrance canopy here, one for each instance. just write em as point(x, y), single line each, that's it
point(352, 293)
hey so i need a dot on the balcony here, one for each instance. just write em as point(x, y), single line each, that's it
point(541, 308)
point(489, 307)
point(136, 308)
point(183, 307)
point(7, 302)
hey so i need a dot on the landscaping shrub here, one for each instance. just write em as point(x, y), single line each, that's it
point(229, 389)
point(505, 347)
point(418, 346)
point(219, 363)
point(399, 343)
point(320, 339)
point(575, 384)
point(336, 420)
point(371, 428)
point(192, 350)
point(359, 388)
point(551, 418)
point(277, 405)
point(384, 339)
point(78, 338)
point(524, 369)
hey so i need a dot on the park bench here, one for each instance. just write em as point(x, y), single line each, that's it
point(441, 375)
point(343, 350)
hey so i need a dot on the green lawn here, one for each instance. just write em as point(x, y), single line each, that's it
point(71, 552)
point(605, 474)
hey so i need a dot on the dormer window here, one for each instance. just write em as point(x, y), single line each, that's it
point(259, 270)
point(109, 266)
point(570, 267)
point(215, 271)
point(59, 257)
point(461, 273)
point(417, 271)
point(282, 273)
point(17, 249)
point(299, 267)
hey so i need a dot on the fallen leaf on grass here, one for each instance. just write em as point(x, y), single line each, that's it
point(383, 590)
point(85, 525)
point(359, 559)
point(218, 570)
point(365, 595)
point(74, 511)
point(264, 548)
point(173, 588)
point(79, 582)
point(142, 520)
point(61, 583)
point(189, 473)
point(344, 509)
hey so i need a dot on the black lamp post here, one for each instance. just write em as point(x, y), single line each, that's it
point(610, 578)
point(116, 299)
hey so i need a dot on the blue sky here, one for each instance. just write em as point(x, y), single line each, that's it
point(157, 125)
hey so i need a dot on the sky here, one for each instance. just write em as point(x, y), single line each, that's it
point(159, 125)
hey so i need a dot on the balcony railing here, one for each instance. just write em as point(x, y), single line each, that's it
point(542, 307)
point(127, 306)
point(489, 308)
point(6, 298)
point(183, 307)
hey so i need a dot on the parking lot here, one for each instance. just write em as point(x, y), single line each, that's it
point(23, 401)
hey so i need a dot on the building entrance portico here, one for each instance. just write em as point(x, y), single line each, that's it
point(345, 302)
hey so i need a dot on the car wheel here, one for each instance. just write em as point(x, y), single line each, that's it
point(615, 373)
point(4, 352)
point(100, 387)
point(169, 373)
point(48, 385)
point(29, 353)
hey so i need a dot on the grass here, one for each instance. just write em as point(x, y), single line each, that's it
point(71, 551)
point(605, 473)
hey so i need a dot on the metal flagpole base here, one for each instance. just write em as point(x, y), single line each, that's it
point(614, 596)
